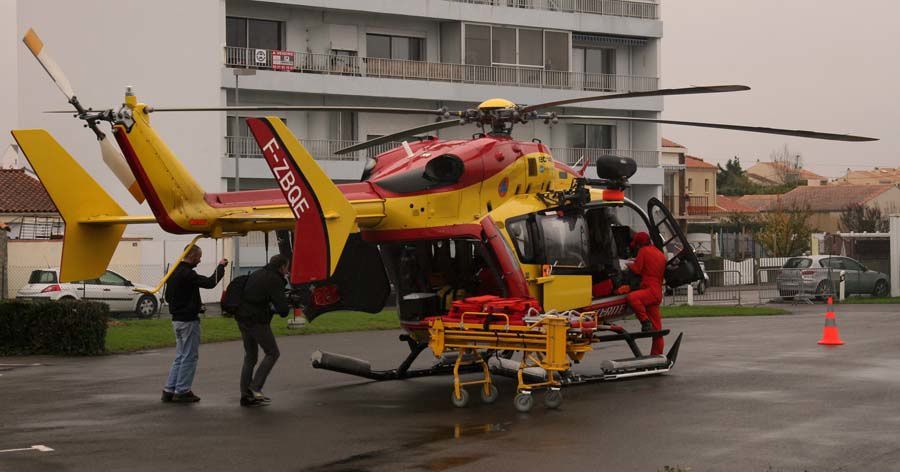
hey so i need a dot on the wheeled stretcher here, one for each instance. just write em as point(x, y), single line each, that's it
point(548, 344)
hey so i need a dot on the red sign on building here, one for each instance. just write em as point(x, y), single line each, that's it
point(283, 60)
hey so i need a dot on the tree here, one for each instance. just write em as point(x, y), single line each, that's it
point(732, 180)
point(787, 165)
point(862, 219)
point(785, 231)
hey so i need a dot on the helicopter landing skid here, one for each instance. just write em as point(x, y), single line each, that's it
point(637, 366)
point(362, 368)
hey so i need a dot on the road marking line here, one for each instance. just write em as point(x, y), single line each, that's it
point(39, 448)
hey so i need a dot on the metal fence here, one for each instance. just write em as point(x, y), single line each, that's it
point(630, 9)
point(515, 76)
point(723, 287)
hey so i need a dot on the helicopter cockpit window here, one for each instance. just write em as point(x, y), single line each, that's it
point(521, 238)
point(565, 240)
point(672, 245)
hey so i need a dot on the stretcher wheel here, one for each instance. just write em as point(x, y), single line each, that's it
point(524, 402)
point(553, 399)
point(490, 397)
point(462, 400)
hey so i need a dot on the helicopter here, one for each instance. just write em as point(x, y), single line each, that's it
point(437, 223)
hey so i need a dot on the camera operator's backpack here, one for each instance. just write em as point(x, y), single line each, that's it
point(231, 297)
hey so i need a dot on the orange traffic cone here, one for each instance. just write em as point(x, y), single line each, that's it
point(830, 335)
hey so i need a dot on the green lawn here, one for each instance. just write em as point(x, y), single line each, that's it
point(684, 311)
point(870, 300)
point(135, 335)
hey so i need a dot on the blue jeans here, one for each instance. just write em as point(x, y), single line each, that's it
point(187, 350)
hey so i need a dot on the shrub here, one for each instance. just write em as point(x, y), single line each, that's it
point(62, 328)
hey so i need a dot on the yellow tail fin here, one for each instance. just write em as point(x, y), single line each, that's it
point(87, 247)
point(325, 218)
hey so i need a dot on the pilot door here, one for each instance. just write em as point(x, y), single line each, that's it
point(682, 266)
point(558, 244)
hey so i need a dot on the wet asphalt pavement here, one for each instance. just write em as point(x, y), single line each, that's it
point(752, 393)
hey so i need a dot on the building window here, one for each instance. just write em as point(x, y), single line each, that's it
point(395, 47)
point(591, 136)
point(502, 45)
point(690, 185)
point(556, 52)
point(706, 185)
point(253, 33)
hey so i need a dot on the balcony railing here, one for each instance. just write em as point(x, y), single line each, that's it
point(577, 156)
point(626, 8)
point(324, 149)
point(688, 205)
point(320, 149)
point(513, 76)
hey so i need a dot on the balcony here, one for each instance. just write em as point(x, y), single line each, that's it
point(320, 149)
point(510, 76)
point(576, 156)
point(325, 150)
point(687, 206)
point(625, 8)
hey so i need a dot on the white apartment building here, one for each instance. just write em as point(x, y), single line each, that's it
point(398, 53)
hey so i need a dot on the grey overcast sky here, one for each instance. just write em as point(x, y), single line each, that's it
point(825, 65)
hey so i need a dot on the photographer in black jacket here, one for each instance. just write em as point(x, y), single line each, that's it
point(263, 295)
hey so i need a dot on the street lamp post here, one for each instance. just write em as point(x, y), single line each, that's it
point(238, 72)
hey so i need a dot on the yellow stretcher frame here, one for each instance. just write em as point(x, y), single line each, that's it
point(547, 344)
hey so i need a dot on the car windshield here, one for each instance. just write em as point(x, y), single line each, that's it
point(42, 277)
point(797, 263)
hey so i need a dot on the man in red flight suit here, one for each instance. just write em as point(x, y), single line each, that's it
point(650, 264)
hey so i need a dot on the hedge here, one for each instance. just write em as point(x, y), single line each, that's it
point(61, 328)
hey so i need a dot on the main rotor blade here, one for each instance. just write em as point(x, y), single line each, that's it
point(400, 135)
point(36, 46)
point(420, 111)
point(652, 93)
point(753, 129)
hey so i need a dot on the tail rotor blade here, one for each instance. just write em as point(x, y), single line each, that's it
point(36, 46)
point(114, 159)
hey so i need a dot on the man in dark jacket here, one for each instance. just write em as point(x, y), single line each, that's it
point(263, 295)
point(183, 297)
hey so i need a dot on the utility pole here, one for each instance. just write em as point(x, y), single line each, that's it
point(238, 129)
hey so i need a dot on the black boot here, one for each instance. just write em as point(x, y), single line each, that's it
point(646, 326)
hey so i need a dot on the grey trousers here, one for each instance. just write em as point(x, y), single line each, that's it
point(255, 336)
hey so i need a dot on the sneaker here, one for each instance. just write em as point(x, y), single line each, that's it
point(186, 397)
point(249, 401)
point(167, 396)
point(258, 396)
point(646, 326)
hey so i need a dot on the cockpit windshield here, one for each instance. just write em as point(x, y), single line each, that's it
point(565, 240)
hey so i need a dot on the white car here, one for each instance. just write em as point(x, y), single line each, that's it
point(110, 288)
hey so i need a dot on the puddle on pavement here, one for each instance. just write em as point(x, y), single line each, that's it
point(413, 454)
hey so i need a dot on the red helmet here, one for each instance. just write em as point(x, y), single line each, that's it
point(640, 240)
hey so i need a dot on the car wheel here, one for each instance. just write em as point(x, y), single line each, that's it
point(824, 290)
point(146, 306)
point(67, 298)
point(701, 287)
point(881, 289)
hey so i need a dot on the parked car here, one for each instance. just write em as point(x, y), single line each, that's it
point(819, 277)
point(110, 288)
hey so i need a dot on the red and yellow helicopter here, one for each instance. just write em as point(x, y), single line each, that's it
point(443, 224)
